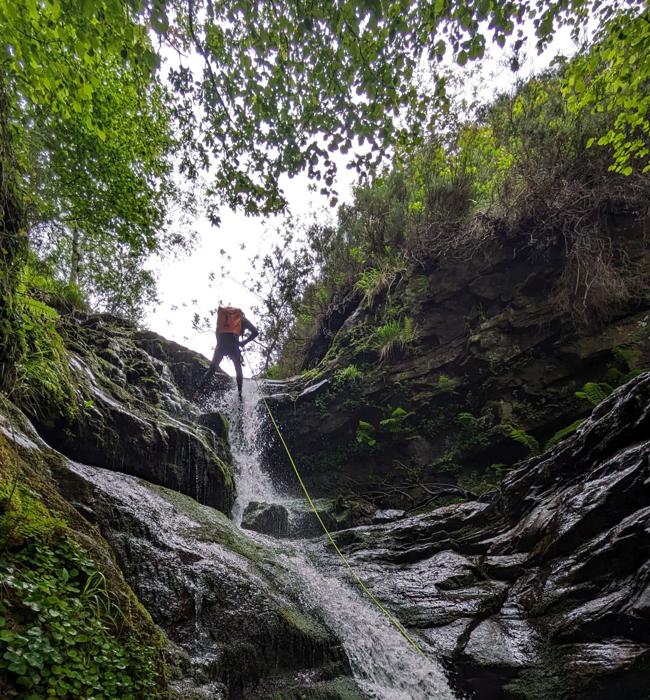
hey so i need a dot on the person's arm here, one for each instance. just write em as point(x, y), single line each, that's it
point(253, 333)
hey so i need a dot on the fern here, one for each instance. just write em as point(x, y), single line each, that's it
point(393, 336)
point(43, 378)
point(595, 392)
point(373, 281)
point(563, 433)
point(467, 420)
point(521, 436)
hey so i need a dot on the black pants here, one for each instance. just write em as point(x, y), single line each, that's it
point(228, 346)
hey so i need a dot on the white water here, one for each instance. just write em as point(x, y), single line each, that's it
point(384, 664)
point(245, 419)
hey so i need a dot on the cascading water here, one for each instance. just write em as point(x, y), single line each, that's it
point(245, 419)
point(384, 665)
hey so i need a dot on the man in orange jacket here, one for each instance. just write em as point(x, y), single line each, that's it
point(231, 325)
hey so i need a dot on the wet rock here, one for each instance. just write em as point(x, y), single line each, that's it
point(297, 519)
point(387, 516)
point(502, 641)
point(137, 419)
point(337, 514)
point(225, 601)
point(267, 518)
point(542, 592)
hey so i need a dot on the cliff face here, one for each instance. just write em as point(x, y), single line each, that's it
point(136, 418)
point(490, 377)
point(541, 591)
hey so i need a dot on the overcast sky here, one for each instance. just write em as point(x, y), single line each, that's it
point(184, 284)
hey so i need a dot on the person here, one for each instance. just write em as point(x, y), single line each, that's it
point(231, 325)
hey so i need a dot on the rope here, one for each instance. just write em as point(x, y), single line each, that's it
point(391, 618)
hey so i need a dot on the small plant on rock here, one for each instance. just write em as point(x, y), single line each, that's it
point(366, 434)
point(521, 436)
point(395, 422)
point(564, 433)
point(595, 392)
point(394, 336)
point(347, 375)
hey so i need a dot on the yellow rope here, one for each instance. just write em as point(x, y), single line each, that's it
point(354, 575)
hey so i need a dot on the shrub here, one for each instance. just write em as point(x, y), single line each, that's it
point(395, 421)
point(366, 434)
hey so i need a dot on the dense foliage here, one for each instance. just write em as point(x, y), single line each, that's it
point(91, 138)
point(284, 84)
point(523, 162)
point(253, 91)
point(63, 631)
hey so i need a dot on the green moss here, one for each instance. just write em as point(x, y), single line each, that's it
point(69, 625)
point(303, 624)
point(214, 526)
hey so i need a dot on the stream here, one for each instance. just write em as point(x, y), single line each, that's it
point(384, 665)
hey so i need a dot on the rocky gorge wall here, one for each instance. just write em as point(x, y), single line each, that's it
point(539, 590)
point(136, 418)
point(137, 484)
point(491, 376)
point(543, 590)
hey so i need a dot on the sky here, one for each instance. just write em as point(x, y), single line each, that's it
point(184, 285)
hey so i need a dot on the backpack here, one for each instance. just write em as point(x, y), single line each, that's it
point(229, 320)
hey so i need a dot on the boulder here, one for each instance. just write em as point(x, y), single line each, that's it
point(296, 518)
point(267, 518)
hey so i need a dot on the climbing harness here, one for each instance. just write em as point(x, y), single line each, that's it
point(391, 618)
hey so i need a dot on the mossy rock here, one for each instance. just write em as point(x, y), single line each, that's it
point(69, 622)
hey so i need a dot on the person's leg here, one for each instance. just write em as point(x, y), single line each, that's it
point(218, 356)
point(236, 360)
point(214, 367)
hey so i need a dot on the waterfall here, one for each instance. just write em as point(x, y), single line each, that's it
point(246, 418)
point(384, 665)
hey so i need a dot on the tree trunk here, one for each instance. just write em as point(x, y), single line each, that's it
point(13, 251)
point(75, 258)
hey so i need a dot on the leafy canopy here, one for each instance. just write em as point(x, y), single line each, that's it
point(92, 136)
point(259, 90)
point(285, 84)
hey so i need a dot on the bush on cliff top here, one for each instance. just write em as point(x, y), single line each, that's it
point(526, 163)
